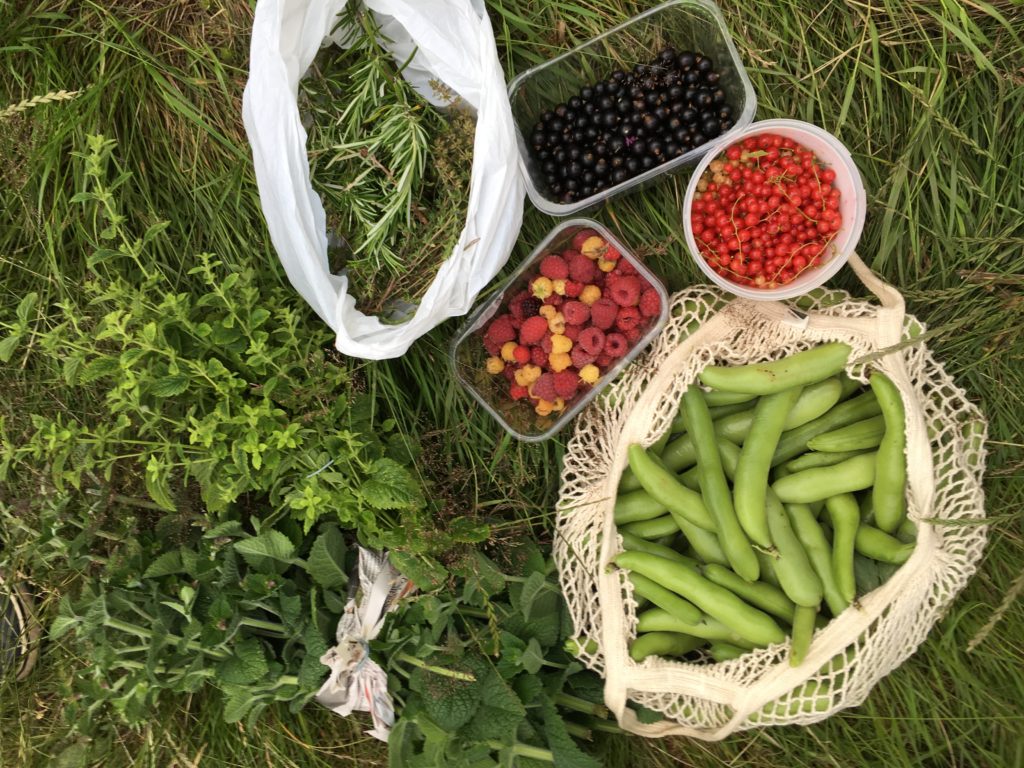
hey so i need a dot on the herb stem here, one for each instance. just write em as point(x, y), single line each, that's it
point(145, 634)
point(525, 750)
point(605, 726)
point(579, 731)
point(581, 705)
point(408, 659)
point(268, 626)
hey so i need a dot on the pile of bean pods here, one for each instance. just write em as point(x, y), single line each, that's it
point(817, 497)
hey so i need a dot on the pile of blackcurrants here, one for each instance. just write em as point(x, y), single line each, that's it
point(629, 123)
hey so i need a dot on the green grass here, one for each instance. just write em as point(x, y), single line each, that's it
point(927, 95)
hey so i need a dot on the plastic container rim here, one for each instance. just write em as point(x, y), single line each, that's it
point(742, 121)
point(471, 322)
point(829, 269)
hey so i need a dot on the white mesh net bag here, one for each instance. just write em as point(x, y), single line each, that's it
point(847, 657)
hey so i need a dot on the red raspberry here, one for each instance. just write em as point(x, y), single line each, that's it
point(544, 387)
point(591, 340)
point(545, 343)
point(650, 303)
point(603, 361)
point(554, 266)
point(517, 392)
point(633, 335)
point(500, 330)
point(628, 317)
point(581, 269)
point(573, 289)
point(554, 300)
point(581, 357)
point(529, 306)
point(626, 291)
point(533, 330)
point(516, 306)
point(611, 253)
point(603, 313)
point(576, 312)
point(625, 268)
point(493, 347)
point(582, 236)
point(573, 331)
point(615, 345)
point(539, 357)
point(509, 373)
point(522, 354)
point(517, 323)
point(566, 383)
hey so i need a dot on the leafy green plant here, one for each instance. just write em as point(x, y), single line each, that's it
point(249, 614)
point(492, 679)
point(223, 391)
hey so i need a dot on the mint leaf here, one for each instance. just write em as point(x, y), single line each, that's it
point(567, 753)
point(533, 657)
point(247, 664)
point(326, 561)
point(238, 702)
point(645, 715)
point(165, 565)
point(270, 552)
point(390, 486)
point(499, 713)
point(534, 586)
point(169, 386)
point(423, 571)
point(312, 673)
point(448, 702)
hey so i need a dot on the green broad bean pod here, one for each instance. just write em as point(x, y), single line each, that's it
point(637, 544)
point(889, 492)
point(819, 551)
point(652, 529)
point(854, 474)
point(716, 399)
point(803, 632)
point(794, 442)
point(637, 505)
point(859, 436)
point(845, 516)
point(751, 476)
point(792, 566)
point(800, 369)
point(879, 545)
point(665, 598)
point(663, 644)
point(725, 651)
point(708, 628)
point(814, 459)
point(715, 489)
point(704, 543)
point(663, 486)
point(718, 602)
point(759, 594)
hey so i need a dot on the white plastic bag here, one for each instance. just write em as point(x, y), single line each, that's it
point(454, 43)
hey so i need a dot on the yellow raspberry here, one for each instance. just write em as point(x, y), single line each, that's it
point(593, 247)
point(544, 407)
point(559, 286)
point(526, 375)
point(605, 266)
point(560, 343)
point(495, 365)
point(556, 323)
point(542, 287)
point(548, 311)
point(558, 406)
point(559, 361)
point(590, 373)
point(508, 351)
point(590, 294)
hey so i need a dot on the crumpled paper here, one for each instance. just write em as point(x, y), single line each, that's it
point(357, 682)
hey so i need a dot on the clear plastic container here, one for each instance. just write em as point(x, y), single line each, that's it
point(468, 356)
point(684, 24)
point(852, 206)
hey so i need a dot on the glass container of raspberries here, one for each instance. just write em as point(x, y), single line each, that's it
point(776, 212)
point(645, 98)
point(579, 309)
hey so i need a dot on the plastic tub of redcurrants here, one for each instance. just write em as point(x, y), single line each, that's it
point(777, 212)
point(578, 310)
point(648, 97)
